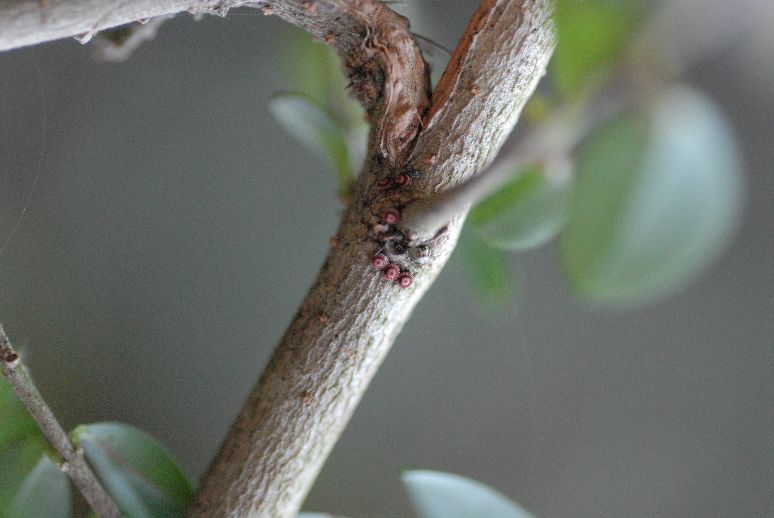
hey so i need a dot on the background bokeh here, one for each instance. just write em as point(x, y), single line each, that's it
point(170, 229)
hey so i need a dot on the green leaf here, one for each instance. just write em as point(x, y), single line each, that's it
point(526, 213)
point(45, 493)
point(443, 495)
point(317, 74)
point(488, 269)
point(135, 469)
point(16, 462)
point(21, 444)
point(17, 423)
point(315, 70)
point(314, 127)
point(592, 35)
point(656, 200)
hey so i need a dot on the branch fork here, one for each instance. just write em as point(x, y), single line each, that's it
point(351, 316)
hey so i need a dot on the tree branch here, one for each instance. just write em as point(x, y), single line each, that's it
point(352, 314)
point(492, 73)
point(548, 144)
point(28, 22)
point(74, 465)
point(423, 218)
point(373, 40)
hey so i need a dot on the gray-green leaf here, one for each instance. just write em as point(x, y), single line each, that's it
point(17, 424)
point(657, 198)
point(314, 127)
point(487, 268)
point(443, 495)
point(16, 461)
point(135, 469)
point(315, 71)
point(527, 212)
point(21, 444)
point(592, 34)
point(45, 493)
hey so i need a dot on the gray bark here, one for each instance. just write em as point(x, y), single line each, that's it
point(28, 22)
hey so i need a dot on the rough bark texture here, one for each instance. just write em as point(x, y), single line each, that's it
point(491, 75)
point(27, 22)
point(351, 316)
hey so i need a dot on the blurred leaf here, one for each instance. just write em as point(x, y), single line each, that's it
point(527, 212)
point(538, 108)
point(656, 200)
point(316, 129)
point(316, 72)
point(317, 515)
point(443, 495)
point(45, 493)
point(16, 461)
point(489, 269)
point(315, 69)
point(319, 71)
point(21, 444)
point(135, 469)
point(16, 422)
point(592, 35)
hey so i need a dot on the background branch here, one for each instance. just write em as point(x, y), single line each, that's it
point(73, 464)
point(28, 22)
point(118, 45)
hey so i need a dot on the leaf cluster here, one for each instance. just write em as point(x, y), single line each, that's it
point(135, 470)
point(651, 191)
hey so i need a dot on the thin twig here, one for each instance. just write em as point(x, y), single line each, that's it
point(549, 143)
point(552, 140)
point(422, 219)
point(119, 44)
point(73, 464)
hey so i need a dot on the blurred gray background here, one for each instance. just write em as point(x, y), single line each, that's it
point(171, 228)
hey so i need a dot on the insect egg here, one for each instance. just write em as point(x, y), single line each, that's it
point(402, 180)
point(390, 216)
point(379, 261)
point(391, 272)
